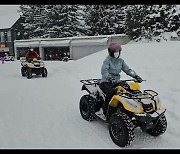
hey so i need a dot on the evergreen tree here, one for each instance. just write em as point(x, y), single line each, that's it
point(99, 19)
point(137, 21)
point(134, 20)
point(33, 20)
point(119, 16)
point(173, 17)
point(63, 21)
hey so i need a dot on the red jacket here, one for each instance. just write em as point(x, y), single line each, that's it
point(31, 54)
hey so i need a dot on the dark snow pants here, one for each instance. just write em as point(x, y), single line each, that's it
point(109, 89)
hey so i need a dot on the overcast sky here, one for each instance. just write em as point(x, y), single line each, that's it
point(8, 9)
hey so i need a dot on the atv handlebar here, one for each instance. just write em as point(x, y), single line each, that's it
point(130, 80)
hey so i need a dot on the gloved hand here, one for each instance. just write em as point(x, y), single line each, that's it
point(112, 80)
point(39, 58)
point(138, 78)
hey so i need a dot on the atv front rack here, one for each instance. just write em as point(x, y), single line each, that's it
point(90, 81)
point(145, 95)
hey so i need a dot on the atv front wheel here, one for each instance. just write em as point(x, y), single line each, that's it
point(121, 129)
point(23, 71)
point(44, 72)
point(86, 107)
point(29, 74)
point(160, 126)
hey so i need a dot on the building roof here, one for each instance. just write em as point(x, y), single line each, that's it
point(73, 38)
point(8, 20)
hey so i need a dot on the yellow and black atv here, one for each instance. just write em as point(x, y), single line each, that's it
point(33, 67)
point(128, 108)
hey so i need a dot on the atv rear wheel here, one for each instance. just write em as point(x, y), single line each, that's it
point(159, 128)
point(121, 129)
point(23, 71)
point(44, 72)
point(87, 107)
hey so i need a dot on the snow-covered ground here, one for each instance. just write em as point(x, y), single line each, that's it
point(44, 112)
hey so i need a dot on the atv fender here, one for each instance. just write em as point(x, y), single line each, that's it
point(129, 105)
point(85, 88)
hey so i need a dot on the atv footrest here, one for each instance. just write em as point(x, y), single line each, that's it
point(100, 114)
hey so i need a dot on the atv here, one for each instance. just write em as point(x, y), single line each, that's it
point(33, 67)
point(128, 108)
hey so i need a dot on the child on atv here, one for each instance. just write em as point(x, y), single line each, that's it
point(31, 54)
point(110, 70)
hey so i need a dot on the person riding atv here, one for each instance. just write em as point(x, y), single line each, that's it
point(121, 103)
point(31, 54)
point(110, 70)
point(33, 65)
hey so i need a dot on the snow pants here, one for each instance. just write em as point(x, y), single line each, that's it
point(2, 59)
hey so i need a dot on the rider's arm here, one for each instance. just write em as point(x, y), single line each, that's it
point(105, 70)
point(127, 70)
point(36, 54)
point(27, 54)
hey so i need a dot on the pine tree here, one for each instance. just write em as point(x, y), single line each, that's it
point(63, 21)
point(135, 15)
point(99, 19)
point(119, 16)
point(33, 20)
point(173, 17)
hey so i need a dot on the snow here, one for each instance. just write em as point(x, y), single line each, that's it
point(26, 43)
point(90, 42)
point(7, 20)
point(8, 9)
point(44, 112)
point(174, 34)
point(55, 43)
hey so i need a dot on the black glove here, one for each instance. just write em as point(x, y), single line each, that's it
point(138, 78)
point(39, 58)
point(112, 80)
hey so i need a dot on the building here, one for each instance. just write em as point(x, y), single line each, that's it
point(9, 31)
point(72, 47)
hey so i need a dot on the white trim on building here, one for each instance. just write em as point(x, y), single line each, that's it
point(55, 43)
point(78, 46)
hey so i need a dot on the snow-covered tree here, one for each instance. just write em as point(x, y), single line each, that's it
point(174, 17)
point(63, 21)
point(52, 20)
point(119, 16)
point(134, 20)
point(137, 21)
point(100, 19)
point(147, 21)
point(33, 16)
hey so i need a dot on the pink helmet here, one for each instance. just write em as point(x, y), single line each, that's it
point(112, 48)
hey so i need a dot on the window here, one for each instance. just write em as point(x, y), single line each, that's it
point(9, 36)
point(2, 36)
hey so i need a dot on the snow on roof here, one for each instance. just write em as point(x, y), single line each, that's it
point(27, 44)
point(7, 20)
point(73, 38)
point(55, 43)
point(90, 42)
